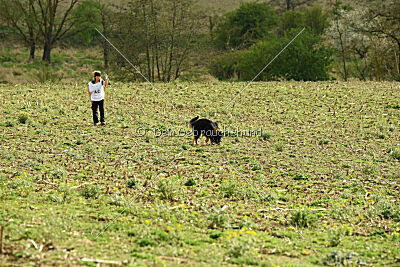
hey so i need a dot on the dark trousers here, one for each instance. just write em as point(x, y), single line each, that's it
point(99, 104)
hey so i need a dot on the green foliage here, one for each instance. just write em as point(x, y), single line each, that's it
point(306, 59)
point(324, 141)
point(313, 18)
point(190, 182)
point(228, 189)
point(218, 218)
point(279, 147)
point(388, 210)
point(226, 66)
point(91, 191)
point(316, 20)
point(291, 20)
point(267, 135)
point(21, 186)
point(66, 193)
point(117, 199)
point(58, 173)
point(169, 189)
point(245, 25)
point(303, 218)
point(133, 183)
point(337, 258)
point(395, 153)
point(88, 17)
point(47, 73)
point(23, 118)
point(241, 245)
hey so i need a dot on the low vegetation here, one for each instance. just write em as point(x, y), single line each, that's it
point(316, 186)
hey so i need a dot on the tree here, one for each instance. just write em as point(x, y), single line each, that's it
point(313, 18)
point(305, 60)
point(53, 21)
point(19, 15)
point(106, 15)
point(157, 36)
point(87, 16)
point(382, 20)
point(340, 30)
point(316, 19)
point(290, 20)
point(286, 5)
point(245, 26)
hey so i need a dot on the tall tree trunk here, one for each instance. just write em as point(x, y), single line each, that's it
point(288, 6)
point(397, 56)
point(147, 43)
point(171, 52)
point(32, 51)
point(105, 32)
point(211, 26)
point(32, 44)
point(46, 52)
point(156, 46)
point(343, 50)
point(152, 67)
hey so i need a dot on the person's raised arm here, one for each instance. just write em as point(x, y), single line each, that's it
point(106, 81)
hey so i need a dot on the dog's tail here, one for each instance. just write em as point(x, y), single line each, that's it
point(193, 121)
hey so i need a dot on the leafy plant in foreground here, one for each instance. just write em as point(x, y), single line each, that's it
point(168, 189)
point(91, 191)
point(303, 218)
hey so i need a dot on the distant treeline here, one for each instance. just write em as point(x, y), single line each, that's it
point(171, 39)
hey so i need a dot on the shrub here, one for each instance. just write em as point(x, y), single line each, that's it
point(266, 135)
point(225, 67)
point(369, 169)
point(256, 166)
point(271, 197)
point(46, 73)
point(65, 192)
point(323, 141)
point(279, 147)
point(337, 258)
point(305, 60)
point(395, 154)
point(21, 185)
point(133, 182)
point(229, 189)
point(241, 27)
point(190, 182)
point(168, 189)
point(9, 124)
point(91, 191)
point(117, 200)
point(388, 210)
point(23, 118)
point(218, 218)
point(302, 218)
point(58, 173)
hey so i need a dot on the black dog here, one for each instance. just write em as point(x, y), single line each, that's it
point(207, 128)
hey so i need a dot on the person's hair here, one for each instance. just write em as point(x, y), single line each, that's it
point(95, 73)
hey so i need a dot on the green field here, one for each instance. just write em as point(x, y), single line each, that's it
point(318, 184)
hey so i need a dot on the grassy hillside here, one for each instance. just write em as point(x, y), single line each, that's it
point(67, 64)
point(318, 185)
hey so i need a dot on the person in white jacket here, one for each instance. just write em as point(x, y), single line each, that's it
point(96, 94)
